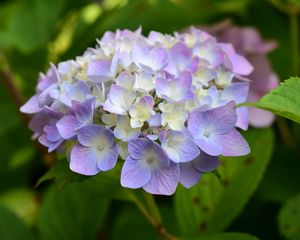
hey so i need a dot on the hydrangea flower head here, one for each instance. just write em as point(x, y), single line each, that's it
point(166, 104)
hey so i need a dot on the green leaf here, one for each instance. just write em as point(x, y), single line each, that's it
point(289, 219)
point(130, 224)
point(284, 100)
point(106, 184)
point(229, 236)
point(72, 213)
point(211, 205)
point(61, 173)
point(11, 227)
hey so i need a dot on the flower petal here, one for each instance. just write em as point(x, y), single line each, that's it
point(108, 158)
point(31, 106)
point(84, 160)
point(89, 135)
point(164, 181)
point(234, 144)
point(214, 121)
point(210, 145)
point(99, 70)
point(206, 163)
point(67, 126)
point(180, 147)
point(134, 174)
point(137, 147)
point(189, 176)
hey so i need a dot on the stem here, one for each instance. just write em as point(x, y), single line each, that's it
point(152, 206)
point(295, 40)
point(141, 207)
point(152, 214)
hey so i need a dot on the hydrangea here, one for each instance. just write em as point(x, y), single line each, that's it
point(248, 42)
point(166, 104)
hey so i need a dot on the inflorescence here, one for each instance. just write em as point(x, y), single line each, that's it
point(166, 104)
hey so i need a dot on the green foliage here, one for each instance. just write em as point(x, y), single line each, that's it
point(289, 219)
point(61, 173)
point(12, 228)
point(284, 100)
point(229, 236)
point(130, 221)
point(23, 202)
point(211, 205)
point(71, 213)
point(30, 24)
point(106, 184)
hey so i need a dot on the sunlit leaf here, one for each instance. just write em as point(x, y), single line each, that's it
point(284, 100)
point(22, 202)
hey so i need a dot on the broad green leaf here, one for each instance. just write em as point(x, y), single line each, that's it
point(289, 219)
point(106, 184)
point(11, 227)
point(71, 213)
point(131, 224)
point(228, 236)
point(284, 100)
point(61, 173)
point(211, 205)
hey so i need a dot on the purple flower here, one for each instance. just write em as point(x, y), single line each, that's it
point(44, 125)
point(238, 92)
point(124, 131)
point(149, 167)
point(176, 89)
point(49, 79)
point(95, 152)
point(119, 101)
point(213, 131)
point(46, 92)
point(100, 71)
point(31, 106)
point(179, 146)
point(82, 115)
point(77, 91)
point(165, 103)
point(191, 172)
point(180, 58)
point(150, 60)
point(210, 51)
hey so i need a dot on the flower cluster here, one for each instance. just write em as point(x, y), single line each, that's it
point(248, 42)
point(166, 104)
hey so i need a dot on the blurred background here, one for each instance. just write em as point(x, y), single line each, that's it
point(34, 33)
